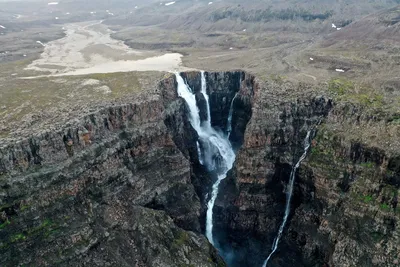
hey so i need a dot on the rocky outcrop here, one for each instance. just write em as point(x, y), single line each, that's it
point(124, 186)
point(111, 189)
point(227, 91)
point(344, 208)
point(251, 213)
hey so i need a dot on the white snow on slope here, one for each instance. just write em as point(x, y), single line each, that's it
point(52, 3)
point(170, 3)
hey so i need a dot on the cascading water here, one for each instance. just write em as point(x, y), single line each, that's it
point(204, 93)
point(289, 197)
point(229, 126)
point(214, 149)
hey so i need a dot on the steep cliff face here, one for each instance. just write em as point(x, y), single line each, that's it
point(111, 189)
point(354, 199)
point(227, 91)
point(344, 209)
point(124, 186)
point(251, 213)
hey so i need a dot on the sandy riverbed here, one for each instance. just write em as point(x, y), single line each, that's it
point(88, 48)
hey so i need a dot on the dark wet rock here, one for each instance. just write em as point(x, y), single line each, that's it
point(76, 197)
point(124, 186)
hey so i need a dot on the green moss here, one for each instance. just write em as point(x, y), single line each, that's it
point(368, 199)
point(24, 207)
point(4, 225)
point(369, 99)
point(363, 95)
point(45, 224)
point(395, 119)
point(368, 165)
point(340, 86)
point(385, 206)
point(17, 238)
point(183, 237)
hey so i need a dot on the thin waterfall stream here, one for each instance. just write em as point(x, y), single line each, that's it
point(289, 194)
point(214, 148)
point(229, 126)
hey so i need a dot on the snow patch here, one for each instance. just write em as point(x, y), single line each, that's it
point(170, 3)
point(338, 29)
point(339, 70)
point(333, 26)
point(52, 3)
point(311, 58)
point(39, 42)
point(1, 26)
point(210, 3)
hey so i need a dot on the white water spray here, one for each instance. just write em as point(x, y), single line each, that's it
point(215, 150)
point(204, 92)
point(289, 197)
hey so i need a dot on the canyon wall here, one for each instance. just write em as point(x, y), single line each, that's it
point(344, 209)
point(111, 189)
point(124, 186)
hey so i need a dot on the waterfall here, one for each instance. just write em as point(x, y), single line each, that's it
point(229, 126)
point(289, 197)
point(204, 93)
point(214, 149)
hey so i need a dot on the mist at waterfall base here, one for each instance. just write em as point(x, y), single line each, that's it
point(214, 149)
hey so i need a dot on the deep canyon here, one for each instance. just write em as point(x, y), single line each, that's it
point(125, 186)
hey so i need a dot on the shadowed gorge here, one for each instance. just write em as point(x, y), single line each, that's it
point(195, 133)
point(128, 184)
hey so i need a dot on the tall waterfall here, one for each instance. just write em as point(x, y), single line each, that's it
point(204, 93)
point(229, 126)
point(214, 149)
point(289, 194)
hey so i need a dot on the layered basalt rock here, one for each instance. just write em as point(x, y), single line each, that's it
point(251, 213)
point(344, 208)
point(124, 186)
point(110, 189)
point(226, 91)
